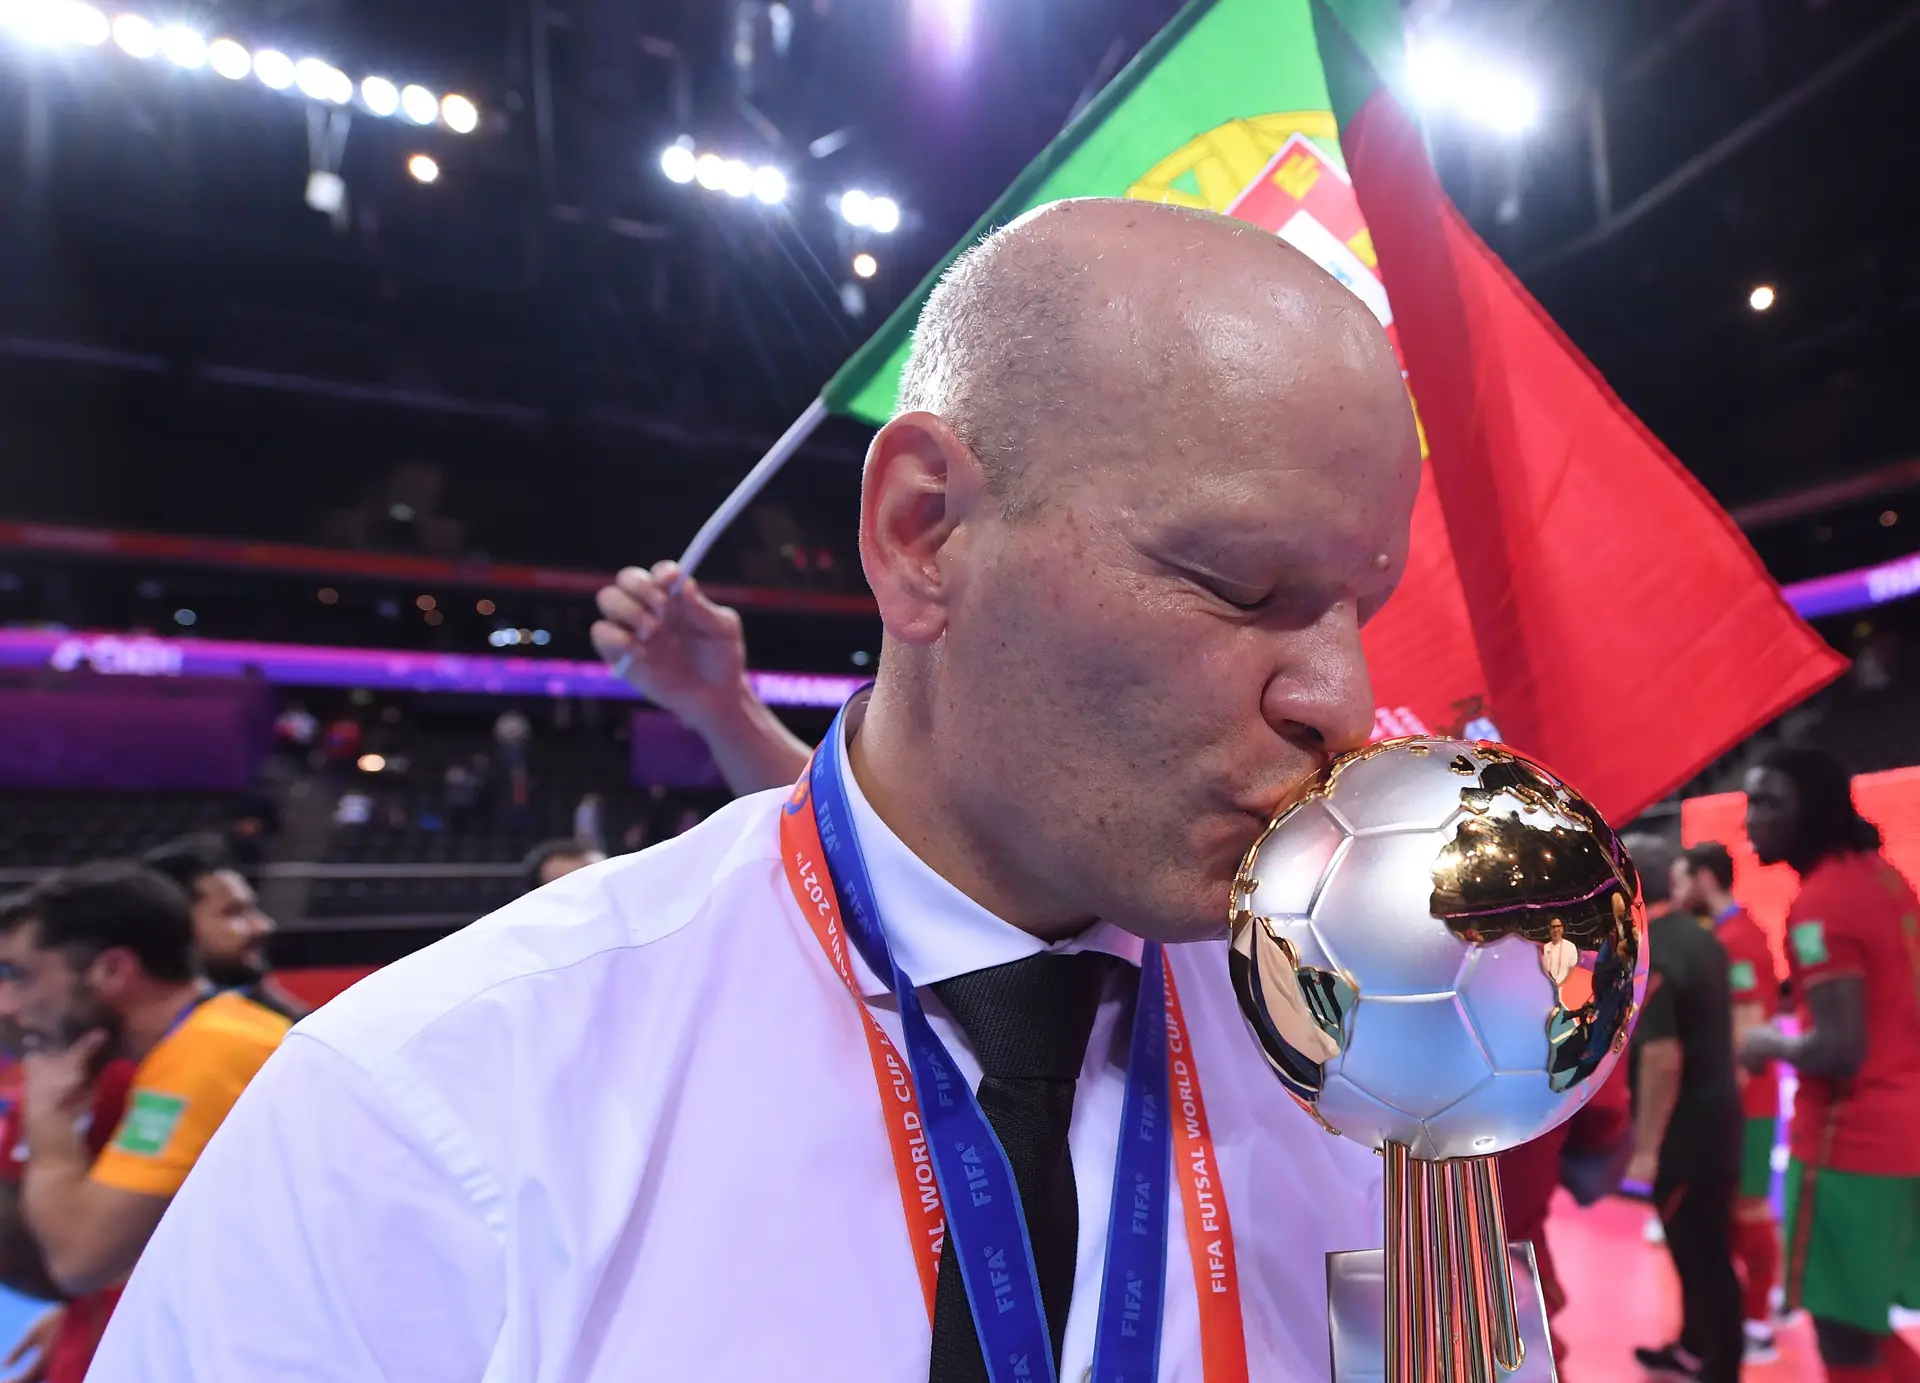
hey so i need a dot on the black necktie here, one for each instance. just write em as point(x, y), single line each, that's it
point(1028, 1023)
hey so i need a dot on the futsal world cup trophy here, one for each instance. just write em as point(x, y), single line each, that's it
point(1441, 949)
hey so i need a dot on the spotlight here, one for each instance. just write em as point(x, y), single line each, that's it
point(541, 636)
point(1442, 78)
point(373, 763)
point(423, 168)
point(677, 162)
point(710, 171)
point(434, 617)
point(483, 606)
point(329, 596)
point(1502, 102)
point(769, 185)
point(273, 68)
point(1761, 298)
point(461, 115)
point(418, 105)
point(229, 59)
point(78, 23)
point(884, 215)
point(865, 265)
point(425, 602)
point(737, 180)
point(856, 208)
point(379, 95)
point(183, 47)
point(136, 36)
point(186, 619)
point(315, 78)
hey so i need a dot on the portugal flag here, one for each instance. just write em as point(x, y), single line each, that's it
point(1571, 589)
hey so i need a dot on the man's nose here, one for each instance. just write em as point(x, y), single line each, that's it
point(1321, 693)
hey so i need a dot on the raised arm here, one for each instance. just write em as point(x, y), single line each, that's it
point(687, 655)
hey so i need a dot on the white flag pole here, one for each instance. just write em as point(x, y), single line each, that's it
point(750, 485)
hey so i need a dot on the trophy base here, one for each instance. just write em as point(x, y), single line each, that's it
point(1357, 1316)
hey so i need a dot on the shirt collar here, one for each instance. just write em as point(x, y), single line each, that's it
point(935, 930)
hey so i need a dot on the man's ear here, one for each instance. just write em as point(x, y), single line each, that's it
point(110, 973)
point(920, 481)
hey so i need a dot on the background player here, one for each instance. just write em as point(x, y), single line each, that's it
point(1853, 954)
point(1703, 883)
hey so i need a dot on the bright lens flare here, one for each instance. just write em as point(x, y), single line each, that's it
point(418, 105)
point(273, 68)
point(1761, 298)
point(884, 215)
point(379, 95)
point(136, 36)
point(769, 185)
point(710, 171)
point(229, 59)
point(865, 265)
point(856, 207)
point(183, 47)
point(678, 163)
point(460, 114)
point(423, 168)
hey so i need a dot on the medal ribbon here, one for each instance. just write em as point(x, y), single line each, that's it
point(947, 1160)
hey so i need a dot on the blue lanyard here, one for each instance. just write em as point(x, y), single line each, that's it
point(985, 1225)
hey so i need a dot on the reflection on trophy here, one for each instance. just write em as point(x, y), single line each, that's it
point(1440, 948)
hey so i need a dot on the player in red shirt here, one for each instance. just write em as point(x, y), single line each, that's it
point(69, 1333)
point(1853, 953)
point(1703, 883)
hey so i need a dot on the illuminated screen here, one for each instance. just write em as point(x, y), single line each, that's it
point(1890, 800)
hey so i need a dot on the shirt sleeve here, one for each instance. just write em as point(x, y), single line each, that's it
point(1658, 1018)
point(1821, 938)
point(320, 1238)
point(177, 1099)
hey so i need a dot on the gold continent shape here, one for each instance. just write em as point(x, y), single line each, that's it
point(1228, 157)
point(1557, 870)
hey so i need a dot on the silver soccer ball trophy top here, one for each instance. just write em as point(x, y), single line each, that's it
point(1440, 948)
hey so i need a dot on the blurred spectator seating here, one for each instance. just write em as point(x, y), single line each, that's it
point(47, 829)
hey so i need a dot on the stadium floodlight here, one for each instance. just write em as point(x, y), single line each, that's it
point(136, 36)
point(419, 105)
point(865, 265)
point(677, 162)
point(1762, 297)
point(1442, 79)
point(1502, 102)
point(183, 47)
point(314, 78)
point(460, 114)
point(883, 215)
point(769, 185)
point(856, 207)
point(379, 95)
point(738, 181)
point(424, 168)
point(84, 24)
point(710, 171)
point(229, 59)
point(273, 68)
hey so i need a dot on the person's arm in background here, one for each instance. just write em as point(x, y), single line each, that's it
point(1656, 1052)
point(1831, 976)
point(22, 1269)
point(687, 655)
point(1835, 1043)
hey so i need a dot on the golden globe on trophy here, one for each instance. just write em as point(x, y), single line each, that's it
point(1441, 949)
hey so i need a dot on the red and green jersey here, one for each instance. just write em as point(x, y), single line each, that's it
point(1753, 977)
point(1856, 916)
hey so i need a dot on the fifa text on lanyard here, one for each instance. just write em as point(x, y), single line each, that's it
point(954, 1178)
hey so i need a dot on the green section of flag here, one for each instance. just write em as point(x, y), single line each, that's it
point(149, 1123)
point(1219, 61)
point(1361, 45)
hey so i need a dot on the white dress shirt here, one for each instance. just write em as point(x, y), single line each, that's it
point(626, 1129)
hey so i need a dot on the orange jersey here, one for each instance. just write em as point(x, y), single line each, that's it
point(182, 1091)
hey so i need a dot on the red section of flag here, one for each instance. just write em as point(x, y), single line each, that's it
point(1625, 631)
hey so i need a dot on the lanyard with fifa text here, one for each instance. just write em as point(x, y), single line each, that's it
point(953, 1177)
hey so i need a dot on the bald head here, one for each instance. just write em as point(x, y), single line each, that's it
point(1092, 328)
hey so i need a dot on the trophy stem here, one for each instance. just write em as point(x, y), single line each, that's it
point(1491, 1215)
point(1450, 1309)
point(1406, 1333)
